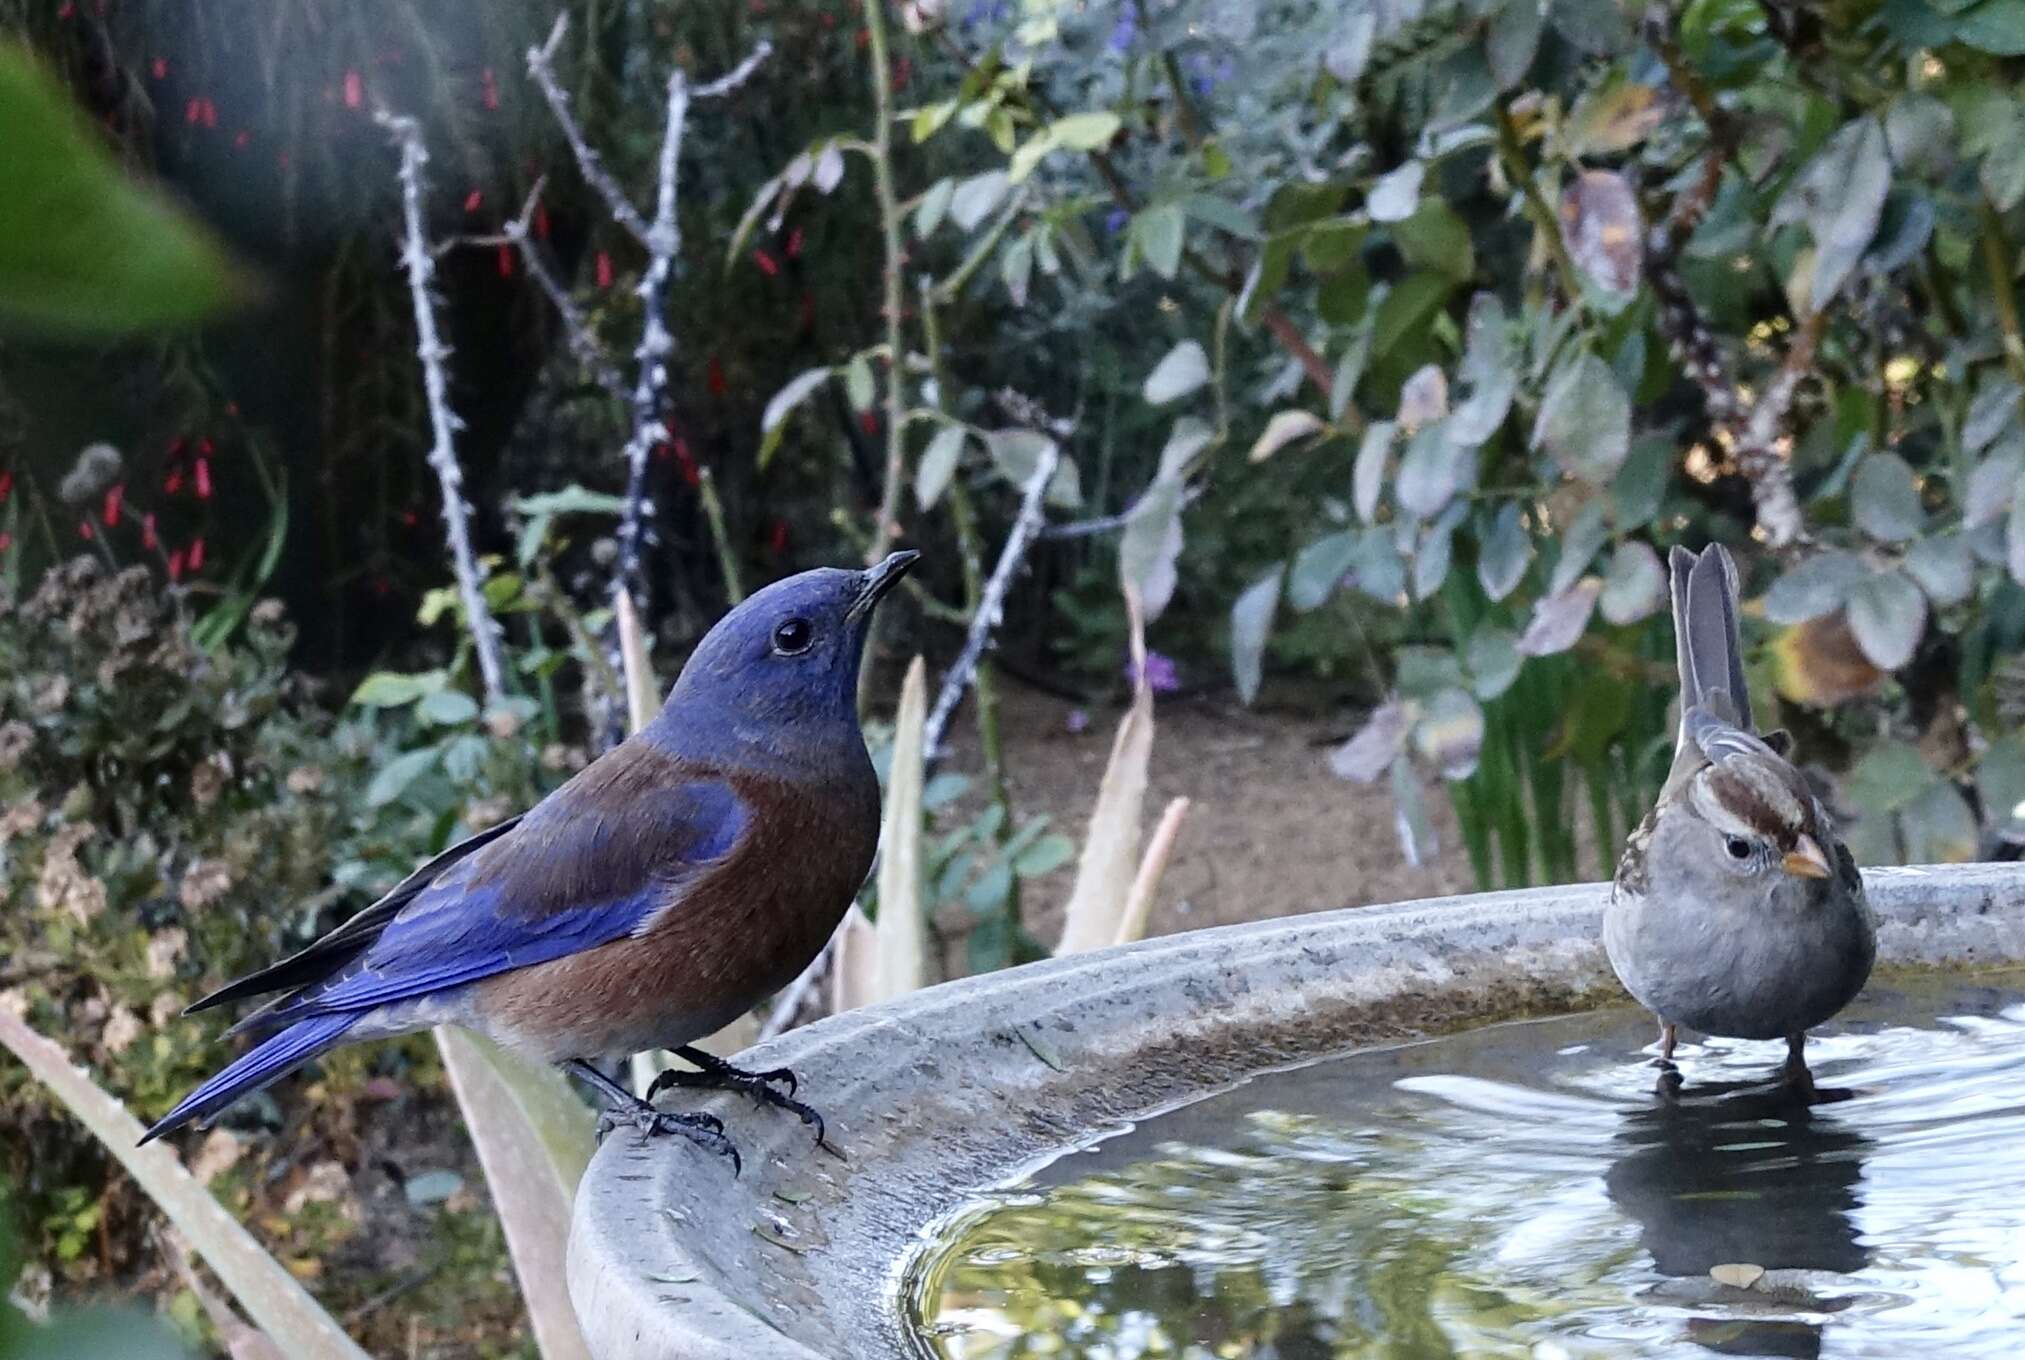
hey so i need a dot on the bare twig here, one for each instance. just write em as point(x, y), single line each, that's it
point(420, 263)
point(887, 526)
point(1757, 451)
point(577, 334)
point(788, 1005)
point(991, 605)
point(541, 66)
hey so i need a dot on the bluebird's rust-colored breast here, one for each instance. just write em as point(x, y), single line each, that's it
point(730, 933)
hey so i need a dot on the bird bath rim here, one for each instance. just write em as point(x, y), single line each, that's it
point(957, 1089)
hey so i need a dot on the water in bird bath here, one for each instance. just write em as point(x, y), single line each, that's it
point(1524, 1190)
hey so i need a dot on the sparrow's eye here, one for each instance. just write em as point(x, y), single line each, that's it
point(793, 637)
point(1738, 847)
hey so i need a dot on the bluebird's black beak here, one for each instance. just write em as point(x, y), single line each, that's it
point(880, 579)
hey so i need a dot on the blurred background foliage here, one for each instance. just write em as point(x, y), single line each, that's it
point(1387, 348)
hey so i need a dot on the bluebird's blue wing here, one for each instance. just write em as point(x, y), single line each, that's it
point(592, 863)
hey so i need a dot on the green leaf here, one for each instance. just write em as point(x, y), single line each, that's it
point(1151, 544)
point(1085, 131)
point(1431, 471)
point(938, 464)
point(1634, 584)
point(1017, 452)
point(392, 689)
point(1320, 567)
point(773, 421)
point(1283, 429)
point(1159, 232)
point(1407, 307)
point(974, 198)
point(1488, 371)
point(1501, 562)
point(1815, 587)
point(1884, 498)
point(1995, 26)
point(392, 779)
point(2000, 780)
point(447, 708)
point(1450, 733)
point(933, 207)
point(1180, 371)
point(1585, 419)
point(858, 383)
point(1944, 566)
point(1580, 540)
point(1887, 777)
point(1367, 475)
point(1840, 196)
point(1016, 269)
point(85, 251)
point(1888, 614)
point(1492, 660)
point(1436, 238)
point(1396, 195)
point(1251, 619)
point(1513, 39)
point(1044, 856)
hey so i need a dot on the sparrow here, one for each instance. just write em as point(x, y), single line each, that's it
point(1735, 910)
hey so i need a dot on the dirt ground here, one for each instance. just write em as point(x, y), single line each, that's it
point(1270, 831)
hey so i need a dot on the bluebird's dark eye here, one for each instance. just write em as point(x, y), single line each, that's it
point(1738, 847)
point(793, 637)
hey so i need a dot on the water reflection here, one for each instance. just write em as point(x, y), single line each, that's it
point(1523, 1191)
point(1739, 1173)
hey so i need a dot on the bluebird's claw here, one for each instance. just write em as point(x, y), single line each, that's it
point(701, 1129)
point(717, 1074)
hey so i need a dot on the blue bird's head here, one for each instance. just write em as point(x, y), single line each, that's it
point(781, 670)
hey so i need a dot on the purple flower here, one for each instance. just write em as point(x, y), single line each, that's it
point(1078, 722)
point(1125, 29)
point(1115, 220)
point(1161, 677)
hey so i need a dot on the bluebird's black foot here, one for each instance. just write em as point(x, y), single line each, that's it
point(623, 1107)
point(719, 1075)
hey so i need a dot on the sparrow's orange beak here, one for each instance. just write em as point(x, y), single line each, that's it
point(1806, 860)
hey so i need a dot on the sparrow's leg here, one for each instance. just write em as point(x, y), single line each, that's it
point(719, 1075)
point(1669, 1035)
point(1796, 1073)
point(623, 1107)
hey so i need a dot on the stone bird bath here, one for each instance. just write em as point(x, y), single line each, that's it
point(959, 1088)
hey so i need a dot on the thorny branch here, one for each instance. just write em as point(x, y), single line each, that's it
point(420, 264)
point(541, 66)
point(991, 605)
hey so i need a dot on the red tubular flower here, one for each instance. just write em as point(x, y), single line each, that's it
point(113, 495)
point(84, 529)
point(196, 558)
point(794, 244)
point(193, 111)
point(488, 91)
point(148, 540)
point(714, 377)
point(6, 485)
point(6, 540)
point(160, 68)
point(767, 264)
point(541, 221)
point(777, 536)
point(506, 262)
point(210, 114)
point(604, 269)
point(241, 139)
point(473, 201)
point(869, 422)
point(203, 479)
point(355, 90)
point(176, 565)
point(172, 483)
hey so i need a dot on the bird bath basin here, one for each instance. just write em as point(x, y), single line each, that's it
point(990, 1126)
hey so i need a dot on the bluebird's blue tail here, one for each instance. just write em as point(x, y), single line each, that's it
point(271, 1060)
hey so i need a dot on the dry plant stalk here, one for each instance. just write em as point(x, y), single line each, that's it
point(903, 937)
point(1104, 873)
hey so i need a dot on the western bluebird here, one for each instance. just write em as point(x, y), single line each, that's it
point(659, 894)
